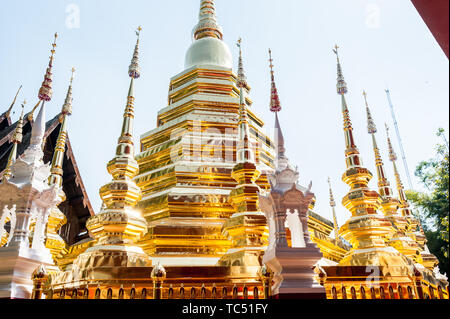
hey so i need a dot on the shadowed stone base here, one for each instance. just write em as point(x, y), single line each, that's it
point(293, 270)
point(16, 268)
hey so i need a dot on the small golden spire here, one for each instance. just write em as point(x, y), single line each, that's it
point(341, 84)
point(275, 105)
point(58, 156)
point(16, 139)
point(371, 127)
point(242, 80)
point(46, 92)
point(8, 112)
point(134, 69)
point(67, 106)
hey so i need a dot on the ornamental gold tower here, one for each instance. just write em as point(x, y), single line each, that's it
point(186, 163)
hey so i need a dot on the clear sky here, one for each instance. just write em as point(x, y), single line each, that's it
point(383, 43)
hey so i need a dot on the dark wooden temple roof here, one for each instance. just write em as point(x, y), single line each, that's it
point(77, 206)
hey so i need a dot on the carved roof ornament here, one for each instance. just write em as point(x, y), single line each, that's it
point(8, 112)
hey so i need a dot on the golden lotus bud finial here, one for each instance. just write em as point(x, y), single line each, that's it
point(73, 73)
point(336, 50)
point(365, 97)
point(54, 44)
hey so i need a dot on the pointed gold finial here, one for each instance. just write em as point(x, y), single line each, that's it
point(371, 127)
point(275, 105)
point(332, 202)
point(46, 92)
point(365, 97)
point(271, 61)
point(341, 84)
point(134, 69)
point(336, 51)
point(8, 112)
point(67, 106)
point(16, 139)
point(392, 154)
point(242, 80)
point(73, 72)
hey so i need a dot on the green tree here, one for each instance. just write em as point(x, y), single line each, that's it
point(433, 205)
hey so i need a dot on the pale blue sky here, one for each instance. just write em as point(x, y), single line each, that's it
point(383, 42)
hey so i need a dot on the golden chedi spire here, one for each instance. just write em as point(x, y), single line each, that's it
point(118, 226)
point(404, 205)
point(247, 228)
point(46, 91)
point(366, 230)
point(207, 25)
point(383, 184)
point(16, 139)
point(418, 236)
point(67, 106)
point(118, 223)
point(8, 112)
point(56, 218)
point(58, 155)
point(389, 204)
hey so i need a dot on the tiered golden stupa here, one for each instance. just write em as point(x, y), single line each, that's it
point(182, 219)
point(383, 263)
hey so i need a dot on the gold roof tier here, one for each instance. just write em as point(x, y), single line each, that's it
point(186, 166)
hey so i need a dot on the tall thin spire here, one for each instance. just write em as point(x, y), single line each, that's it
point(207, 25)
point(242, 79)
point(118, 226)
point(366, 230)
point(333, 208)
point(275, 107)
point(247, 240)
point(134, 69)
point(67, 106)
point(404, 205)
point(123, 167)
point(245, 153)
point(383, 184)
point(351, 152)
point(45, 92)
point(16, 139)
point(56, 169)
point(8, 112)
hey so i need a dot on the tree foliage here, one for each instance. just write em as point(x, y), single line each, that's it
point(433, 205)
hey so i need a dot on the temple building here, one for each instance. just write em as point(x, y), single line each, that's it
point(206, 207)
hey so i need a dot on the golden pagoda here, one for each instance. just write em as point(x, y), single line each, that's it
point(379, 267)
point(210, 207)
